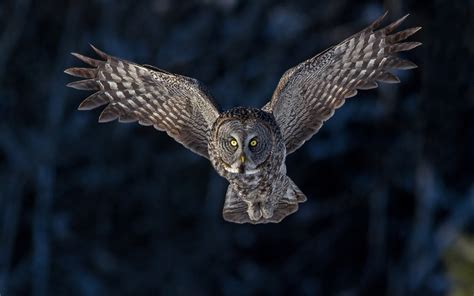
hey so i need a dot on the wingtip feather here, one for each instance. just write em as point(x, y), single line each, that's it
point(388, 77)
point(73, 85)
point(412, 45)
point(93, 101)
point(99, 52)
point(87, 60)
point(87, 84)
point(81, 72)
point(395, 24)
point(375, 24)
point(403, 46)
point(399, 63)
point(107, 117)
point(84, 106)
point(402, 35)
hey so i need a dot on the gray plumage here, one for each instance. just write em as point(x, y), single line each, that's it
point(247, 146)
point(176, 104)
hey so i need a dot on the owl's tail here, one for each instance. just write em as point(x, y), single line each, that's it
point(238, 211)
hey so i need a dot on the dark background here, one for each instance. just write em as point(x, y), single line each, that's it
point(120, 209)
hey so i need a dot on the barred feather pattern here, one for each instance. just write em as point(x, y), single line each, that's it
point(173, 103)
point(308, 94)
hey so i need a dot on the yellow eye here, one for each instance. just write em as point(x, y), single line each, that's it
point(253, 143)
point(233, 143)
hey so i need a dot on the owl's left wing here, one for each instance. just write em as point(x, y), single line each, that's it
point(173, 103)
point(308, 94)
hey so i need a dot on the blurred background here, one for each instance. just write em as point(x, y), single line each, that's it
point(121, 209)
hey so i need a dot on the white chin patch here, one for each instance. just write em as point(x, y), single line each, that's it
point(251, 172)
point(246, 172)
point(231, 170)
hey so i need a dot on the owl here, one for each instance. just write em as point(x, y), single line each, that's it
point(247, 146)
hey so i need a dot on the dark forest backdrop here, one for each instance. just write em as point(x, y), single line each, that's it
point(120, 209)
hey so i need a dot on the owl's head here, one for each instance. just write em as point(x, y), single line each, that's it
point(244, 139)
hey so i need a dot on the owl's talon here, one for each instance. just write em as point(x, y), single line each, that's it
point(267, 210)
point(254, 212)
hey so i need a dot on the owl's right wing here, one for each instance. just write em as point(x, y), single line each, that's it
point(308, 94)
point(173, 103)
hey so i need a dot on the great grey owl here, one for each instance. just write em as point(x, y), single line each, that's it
point(247, 146)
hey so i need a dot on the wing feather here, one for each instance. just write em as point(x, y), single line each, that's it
point(176, 104)
point(308, 94)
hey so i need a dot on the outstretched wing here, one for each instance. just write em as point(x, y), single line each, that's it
point(308, 94)
point(176, 104)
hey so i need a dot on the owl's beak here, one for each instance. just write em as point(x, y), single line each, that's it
point(242, 162)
